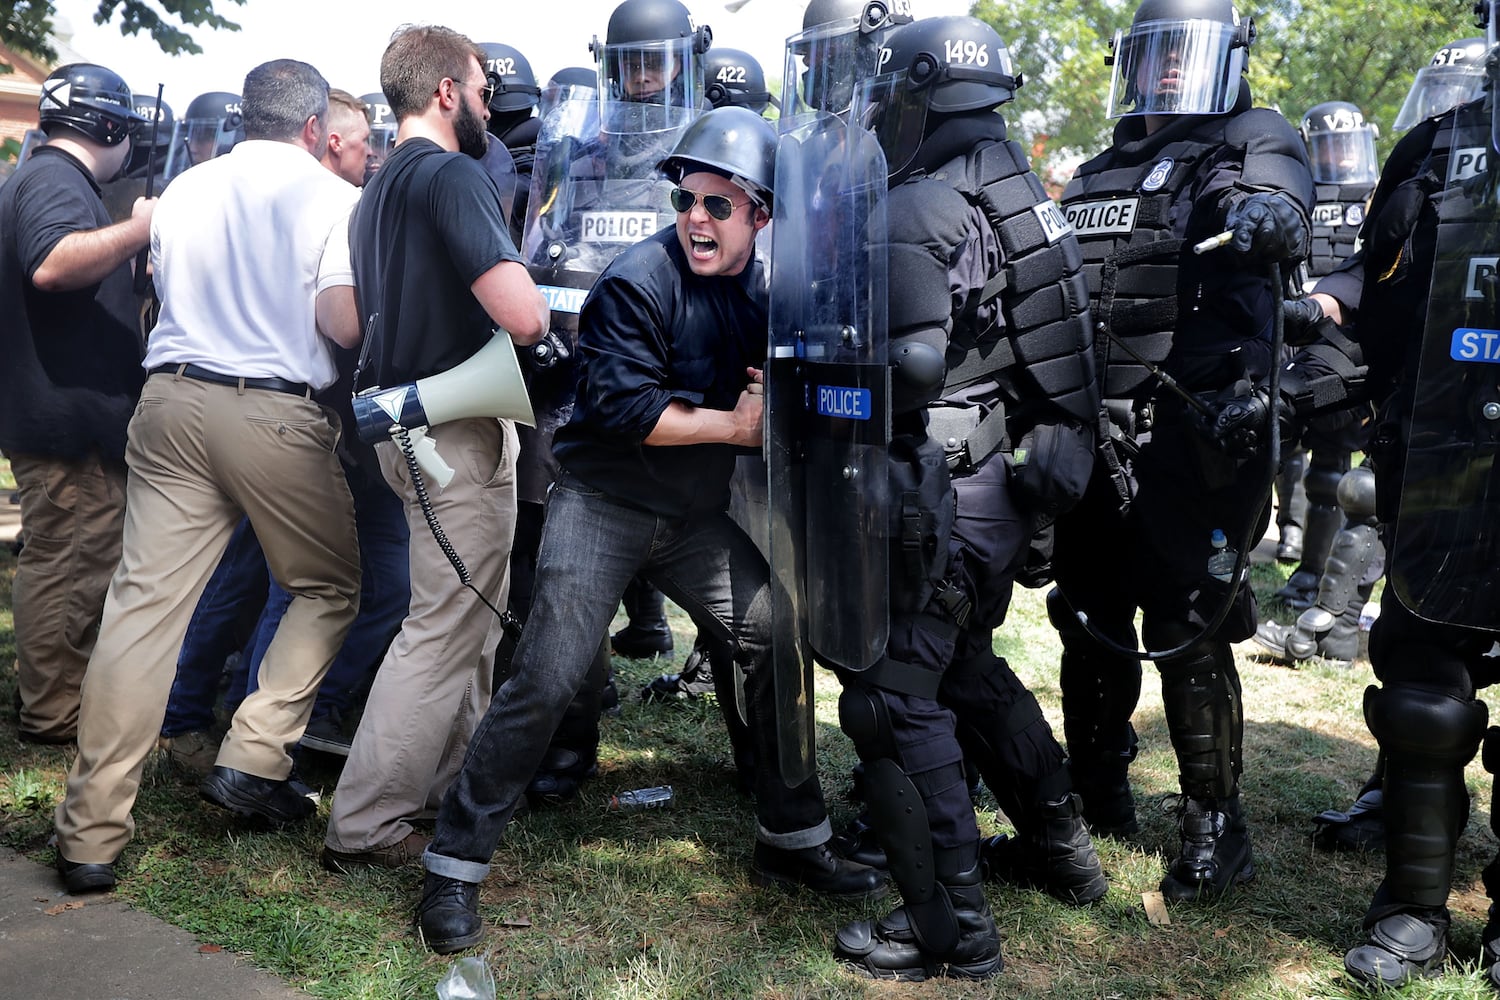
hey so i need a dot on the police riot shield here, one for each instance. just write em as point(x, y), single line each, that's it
point(1445, 548)
point(594, 192)
point(827, 417)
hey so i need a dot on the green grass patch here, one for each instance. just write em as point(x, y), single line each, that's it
point(585, 903)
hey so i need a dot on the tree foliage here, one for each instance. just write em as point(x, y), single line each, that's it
point(28, 23)
point(1306, 52)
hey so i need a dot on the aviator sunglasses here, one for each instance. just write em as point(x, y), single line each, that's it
point(717, 205)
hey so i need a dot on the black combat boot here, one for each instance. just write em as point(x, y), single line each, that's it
point(1215, 854)
point(1359, 828)
point(647, 633)
point(693, 681)
point(1055, 854)
point(892, 947)
point(448, 915)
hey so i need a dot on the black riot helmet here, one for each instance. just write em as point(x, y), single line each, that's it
point(652, 54)
point(141, 146)
point(839, 45)
point(382, 130)
point(733, 76)
point(935, 66)
point(1179, 57)
point(1454, 77)
point(90, 100)
point(510, 72)
point(1340, 144)
point(211, 126)
point(732, 141)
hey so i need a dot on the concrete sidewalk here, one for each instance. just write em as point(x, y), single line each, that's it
point(94, 947)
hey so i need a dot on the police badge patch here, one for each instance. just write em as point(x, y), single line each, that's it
point(1158, 175)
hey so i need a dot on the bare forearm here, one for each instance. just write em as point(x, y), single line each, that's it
point(86, 258)
point(681, 423)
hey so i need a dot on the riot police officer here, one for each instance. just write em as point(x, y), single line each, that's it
point(1190, 158)
point(1341, 148)
point(1412, 296)
point(382, 130)
point(733, 76)
point(148, 147)
point(513, 120)
point(210, 127)
point(982, 446)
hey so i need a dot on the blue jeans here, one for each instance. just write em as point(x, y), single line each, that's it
point(591, 547)
point(238, 580)
point(385, 593)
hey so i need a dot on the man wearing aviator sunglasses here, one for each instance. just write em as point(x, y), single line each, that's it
point(670, 340)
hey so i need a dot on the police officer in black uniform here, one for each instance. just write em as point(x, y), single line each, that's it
point(210, 127)
point(993, 406)
point(1411, 295)
point(513, 120)
point(1191, 158)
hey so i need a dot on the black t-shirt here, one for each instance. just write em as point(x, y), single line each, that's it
point(428, 224)
point(70, 362)
point(652, 331)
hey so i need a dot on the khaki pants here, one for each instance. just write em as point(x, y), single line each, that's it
point(199, 455)
point(434, 684)
point(72, 513)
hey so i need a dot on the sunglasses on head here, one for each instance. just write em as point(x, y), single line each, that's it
point(717, 205)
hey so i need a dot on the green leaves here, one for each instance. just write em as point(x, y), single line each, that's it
point(28, 23)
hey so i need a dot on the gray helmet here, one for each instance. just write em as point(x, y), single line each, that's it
point(91, 100)
point(938, 65)
point(1340, 144)
point(732, 141)
point(733, 76)
point(1179, 57)
point(1454, 77)
point(515, 83)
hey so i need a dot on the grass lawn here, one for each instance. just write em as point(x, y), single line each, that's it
point(587, 903)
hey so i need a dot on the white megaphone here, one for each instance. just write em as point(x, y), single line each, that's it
point(489, 384)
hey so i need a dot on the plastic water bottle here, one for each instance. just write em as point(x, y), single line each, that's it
point(641, 798)
point(1221, 562)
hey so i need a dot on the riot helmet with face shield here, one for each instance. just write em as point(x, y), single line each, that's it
point(382, 130)
point(652, 54)
point(1454, 77)
point(515, 83)
point(1179, 57)
point(143, 143)
point(210, 127)
point(935, 66)
point(839, 45)
point(1340, 144)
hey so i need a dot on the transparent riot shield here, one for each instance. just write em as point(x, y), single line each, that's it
point(1445, 548)
point(827, 417)
point(593, 193)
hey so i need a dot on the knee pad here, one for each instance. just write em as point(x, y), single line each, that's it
point(1420, 722)
point(1356, 495)
point(1322, 483)
point(1166, 634)
point(866, 720)
point(1062, 617)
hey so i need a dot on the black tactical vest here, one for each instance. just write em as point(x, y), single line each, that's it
point(1336, 218)
point(1130, 215)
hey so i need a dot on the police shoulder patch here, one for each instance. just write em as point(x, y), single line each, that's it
point(1158, 175)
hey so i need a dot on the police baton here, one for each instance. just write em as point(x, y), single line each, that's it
point(143, 258)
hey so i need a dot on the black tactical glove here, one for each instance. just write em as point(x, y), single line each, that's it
point(1268, 227)
point(1240, 427)
point(1052, 468)
point(1305, 321)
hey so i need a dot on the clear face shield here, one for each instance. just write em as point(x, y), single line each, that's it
point(665, 75)
point(1438, 88)
point(557, 94)
point(895, 111)
point(1176, 68)
point(198, 140)
point(1344, 157)
point(823, 65)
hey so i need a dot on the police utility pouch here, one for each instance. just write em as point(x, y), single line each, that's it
point(922, 520)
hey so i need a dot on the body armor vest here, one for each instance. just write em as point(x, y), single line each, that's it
point(1045, 347)
point(1336, 218)
point(1130, 219)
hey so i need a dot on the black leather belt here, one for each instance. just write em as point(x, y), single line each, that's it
point(204, 375)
